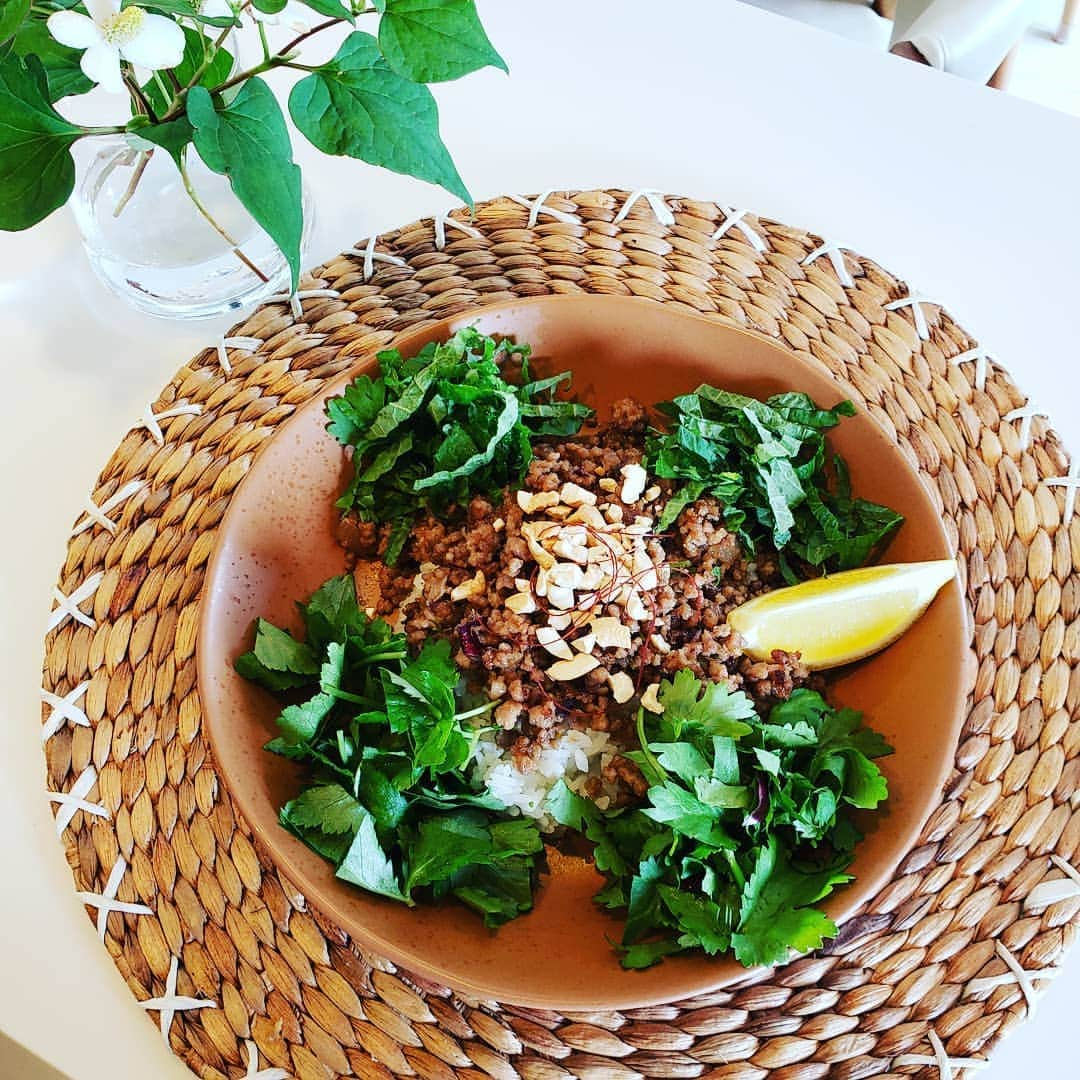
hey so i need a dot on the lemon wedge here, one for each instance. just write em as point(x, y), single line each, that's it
point(844, 617)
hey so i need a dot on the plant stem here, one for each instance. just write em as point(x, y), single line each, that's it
point(300, 38)
point(139, 97)
point(215, 226)
point(262, 39)
point(136, 176)
point(478, 711)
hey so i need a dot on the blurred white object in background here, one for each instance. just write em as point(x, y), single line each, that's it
point(969, 38)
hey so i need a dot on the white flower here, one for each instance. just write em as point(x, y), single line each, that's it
point(109, 34)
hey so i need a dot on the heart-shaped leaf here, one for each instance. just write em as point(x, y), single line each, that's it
point(12, 13)
point(332, 9)
point(435, 40)
point(37, 171)
point(61, 64)
point(356, 106)
point(247, 141)
point(172, 136)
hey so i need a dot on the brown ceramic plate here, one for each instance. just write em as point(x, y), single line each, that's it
point(276, 545)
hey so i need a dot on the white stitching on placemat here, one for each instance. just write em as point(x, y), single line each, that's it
point(1071, 482)
point(940, 1059)
point(71, 802)
point(152, 420)
point(253, 1071)
point(1054, 891)
point(1021, 974)
point(981, 357)
point(69, 605)
point(539, 206)
point(106, 901)
point(293, 299)
point(171, 1003)
point(63, 708)
point(1025, 415)
point(371, 257)
point(836, 257)
point(248, 344)
point(656, 203)
point(735, 219)
point(443, 219)
point(915, 301)
point(99, 514)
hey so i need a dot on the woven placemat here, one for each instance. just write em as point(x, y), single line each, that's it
point(224, 951)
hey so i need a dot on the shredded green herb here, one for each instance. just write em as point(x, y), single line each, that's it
point(767, 464)
point(383, 736)
point(745, 828)
point(442, 426)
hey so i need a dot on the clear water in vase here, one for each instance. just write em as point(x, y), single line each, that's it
point(150, 242)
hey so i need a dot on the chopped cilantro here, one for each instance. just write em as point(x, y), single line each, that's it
point(744, 828)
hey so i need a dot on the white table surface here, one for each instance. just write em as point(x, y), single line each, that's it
point(967, 192)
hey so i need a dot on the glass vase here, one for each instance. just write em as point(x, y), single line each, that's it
point(175, 245)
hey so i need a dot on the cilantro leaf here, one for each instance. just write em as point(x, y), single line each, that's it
point(569, 808)
point(775, 916)
point(328, 807)
point(278, 661)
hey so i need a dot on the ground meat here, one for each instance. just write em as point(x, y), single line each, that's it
point(775, 678)
point(702, 574)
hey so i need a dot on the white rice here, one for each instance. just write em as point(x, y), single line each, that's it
point(574, 756)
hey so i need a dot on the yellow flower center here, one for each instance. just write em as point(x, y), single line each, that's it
point(123, 27)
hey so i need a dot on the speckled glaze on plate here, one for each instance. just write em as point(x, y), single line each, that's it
point(276, 545)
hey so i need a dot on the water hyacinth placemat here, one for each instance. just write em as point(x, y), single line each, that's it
point(245, 978)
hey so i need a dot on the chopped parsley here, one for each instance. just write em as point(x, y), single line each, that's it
point(746, 825)
point(442, 426)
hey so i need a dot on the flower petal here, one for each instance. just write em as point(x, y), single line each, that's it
point(158, 44)
point(100, 10)
point(101, 63)
point(74, 30)
point(216, 9)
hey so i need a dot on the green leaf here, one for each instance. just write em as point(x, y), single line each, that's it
point(332, 9)
point(712, 707)
point(499, 891)
point(12, 13)
point(269, 7)
point(700, 920)
point(385, 802)
point(356, 106)
point(506, 418)
point(332, 612)
point(300, 723)
point(328, 807)
point(61, 64)
point(775, 915)
point(37, 171)
point(174, 137)
point(445, 843)
point(646, 953)
point(569, 808)
point(278, 650)
point(196, 47)
point(367, 865)
point(248, 142)
point(435, 40)
point(185, 9)
point(675, 806)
